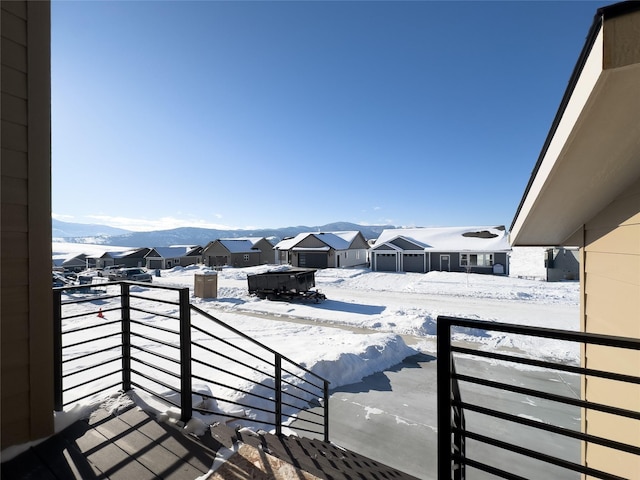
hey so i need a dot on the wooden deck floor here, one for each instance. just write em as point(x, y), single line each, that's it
point(134, 446)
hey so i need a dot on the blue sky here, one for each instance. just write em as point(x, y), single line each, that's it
point(270, 114)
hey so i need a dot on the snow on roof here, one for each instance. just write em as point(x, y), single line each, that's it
point(452, 239)
point(237, 245)
point(173, 252)
point(335, 240)
point(253, 240)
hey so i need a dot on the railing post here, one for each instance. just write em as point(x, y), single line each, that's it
point(445, 447)
point(186, 402)
point(278, 385)
point(326, 411)
point(57, 351)
point(125, 305)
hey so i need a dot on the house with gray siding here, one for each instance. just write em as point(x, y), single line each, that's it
point(71, 263)
point(126, 258)
point(169, 257)
point(449, 249)
point(562, 263)
point(323, 250)
point(238, 252)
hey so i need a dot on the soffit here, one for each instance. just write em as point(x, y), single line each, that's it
point(593, 156)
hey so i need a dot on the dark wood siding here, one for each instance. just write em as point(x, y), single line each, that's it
point(25, 183)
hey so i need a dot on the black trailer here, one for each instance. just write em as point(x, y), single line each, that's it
point(285, 284)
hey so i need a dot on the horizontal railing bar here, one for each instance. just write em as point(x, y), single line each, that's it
point(550, 396)
point(89, 327)
point(236, 375)
point(82, 370)
point(156, 367)
point(319, 387)
point(91, 298)
point(155, 327)
point(90, 340)
point(155, 380)
point(295, 407)
point(109, 387)
point(226, 342)
point(251, 407)
point(155, 340)
point(246, 337)
point(310, 412)
point(295, 415)
point(94, 352)
point(92, 312)
point(155, 354)
point(214, 352)
point(548, 427)
point(575, 467)
point(579, 337)
point(550, 365)
point(151, 299)
point(151, 312)
point(236, 417)
point(156, 394)
point(298, 387)
point(294, 396)
point(488, 468)
point(239, 390)
point(87, 382)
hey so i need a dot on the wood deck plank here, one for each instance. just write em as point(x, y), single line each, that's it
point(169, 437)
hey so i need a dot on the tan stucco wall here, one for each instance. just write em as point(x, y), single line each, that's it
point(26, 297)
point(611, 305)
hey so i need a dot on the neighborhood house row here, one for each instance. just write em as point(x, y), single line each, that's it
point(420, 250)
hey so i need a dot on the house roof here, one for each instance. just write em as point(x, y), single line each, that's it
point(173, 252)
point(335, 240)
point(451, 239)
point(591, 152)
point(237, 245)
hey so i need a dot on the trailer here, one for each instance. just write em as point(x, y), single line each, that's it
point(294, 283)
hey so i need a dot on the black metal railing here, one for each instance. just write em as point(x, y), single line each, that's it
point(481, 423)
point(148, 339)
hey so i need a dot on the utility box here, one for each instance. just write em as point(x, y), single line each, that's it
point(206, 285)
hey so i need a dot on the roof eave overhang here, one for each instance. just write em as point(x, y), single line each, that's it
point(591, 153)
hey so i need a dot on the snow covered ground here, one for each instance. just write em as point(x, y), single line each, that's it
point(373, 320)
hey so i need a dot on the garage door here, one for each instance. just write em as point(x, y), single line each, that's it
point(312, 260)
point(413, 262)
point(386, 262)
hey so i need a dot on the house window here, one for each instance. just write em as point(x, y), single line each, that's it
point(176, 261)
point(476, 259)
point(246, 257)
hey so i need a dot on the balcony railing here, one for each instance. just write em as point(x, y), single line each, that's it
point(128, 336)
point(480, 429)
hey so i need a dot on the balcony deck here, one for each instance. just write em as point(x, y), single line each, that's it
point(132, 444)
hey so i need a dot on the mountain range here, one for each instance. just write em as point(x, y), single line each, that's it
point(105, 235)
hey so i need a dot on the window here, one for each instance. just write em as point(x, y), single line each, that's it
point(476, 259)
point(246, 257)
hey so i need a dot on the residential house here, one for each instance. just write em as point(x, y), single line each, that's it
point(323, 250)
point(448, 249)
point(169, 257)
point(238, 252)
point(562, 264)
point(73, 263)
point(127, 258)
point(585, 191)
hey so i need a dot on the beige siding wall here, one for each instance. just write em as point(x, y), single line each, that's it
point(611, 305)
point(25, 182)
